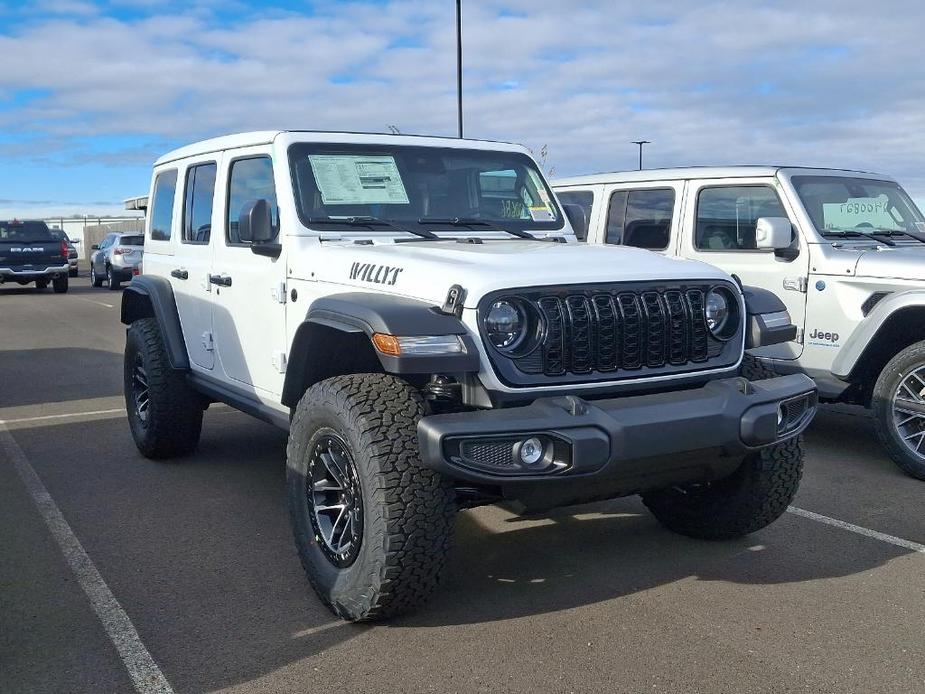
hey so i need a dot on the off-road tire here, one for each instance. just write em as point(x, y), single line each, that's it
point(41, 284)
point(112, 281)
point(408, 510)
point(174, 414)
point(749, 499)
point(59, 284)
point(72, 272)
point(900, 366)
point(755, 370)
point(95, 280)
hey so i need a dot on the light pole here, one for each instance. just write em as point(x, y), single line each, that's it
point(641, 143)
point(459, 65)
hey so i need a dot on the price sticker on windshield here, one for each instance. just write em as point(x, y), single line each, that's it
point(348, 179)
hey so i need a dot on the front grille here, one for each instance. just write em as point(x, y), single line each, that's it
point(620, 331)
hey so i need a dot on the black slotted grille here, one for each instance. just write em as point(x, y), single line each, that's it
point(591, 331)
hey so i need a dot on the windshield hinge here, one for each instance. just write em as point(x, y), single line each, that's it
point(796, 284)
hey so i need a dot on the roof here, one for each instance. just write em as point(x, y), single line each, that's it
point(139, 202)
point(264, 137)
point(686, 172)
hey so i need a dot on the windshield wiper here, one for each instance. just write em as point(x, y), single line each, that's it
point(853, 233)
point(366, 221)
point(473, 222)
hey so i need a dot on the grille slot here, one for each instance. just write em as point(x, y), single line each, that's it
point(601, 331)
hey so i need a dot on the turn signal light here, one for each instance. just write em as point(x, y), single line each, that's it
point(387, 344)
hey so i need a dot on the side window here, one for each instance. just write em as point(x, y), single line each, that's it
point(641, 218)
point(197, 203)
point(249, 180)
point(584, 199)
point(165, 187)
point(727, 216)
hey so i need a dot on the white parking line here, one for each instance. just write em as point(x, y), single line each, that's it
point(98, 303)
point(866, 532)
point(60, 416)
point(146, 675)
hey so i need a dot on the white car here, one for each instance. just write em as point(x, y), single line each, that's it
point(844, 250)
point(417, 314)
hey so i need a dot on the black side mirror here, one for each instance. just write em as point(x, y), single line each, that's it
point(255, 224)
point(578, 219)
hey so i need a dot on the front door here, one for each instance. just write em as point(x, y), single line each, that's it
point(719, 228)
point(190, 276)
point(249, 317)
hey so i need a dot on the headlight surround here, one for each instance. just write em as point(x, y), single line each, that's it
point(512, 326)
point(721, 313)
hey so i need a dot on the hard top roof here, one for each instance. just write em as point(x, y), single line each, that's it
point(699, 172)
point(263, 137)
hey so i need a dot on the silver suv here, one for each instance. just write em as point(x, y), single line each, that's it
point(117, 259)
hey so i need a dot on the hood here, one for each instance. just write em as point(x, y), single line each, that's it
point(426, 270)
point(893, 263)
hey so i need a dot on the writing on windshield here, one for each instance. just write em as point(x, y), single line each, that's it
point(845, 203)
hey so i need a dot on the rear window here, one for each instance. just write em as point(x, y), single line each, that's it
point(132, 241)
point(25, 232)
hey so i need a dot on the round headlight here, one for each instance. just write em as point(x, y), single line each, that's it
point(505, 324)
point(717, 311)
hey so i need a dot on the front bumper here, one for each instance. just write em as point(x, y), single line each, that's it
point(634, 443)
point(30, 274)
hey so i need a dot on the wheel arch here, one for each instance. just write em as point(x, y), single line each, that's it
point(152, 297)
point(335, 339)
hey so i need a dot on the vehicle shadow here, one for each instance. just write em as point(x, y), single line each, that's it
point(33, 376)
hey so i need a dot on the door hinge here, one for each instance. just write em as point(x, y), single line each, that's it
point(279, 293)
point(796, 284)
point(799, 338)
point(207, 344)
point(279, 361)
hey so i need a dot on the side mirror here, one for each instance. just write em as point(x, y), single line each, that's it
point(773, 233)
point(255, 224)
point(95, 247)
point(578, 219)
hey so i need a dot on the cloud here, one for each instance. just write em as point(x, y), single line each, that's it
point(831, 83)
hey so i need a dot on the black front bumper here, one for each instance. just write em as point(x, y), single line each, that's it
point(633, 443)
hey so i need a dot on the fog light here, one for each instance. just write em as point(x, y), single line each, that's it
point(531, 451)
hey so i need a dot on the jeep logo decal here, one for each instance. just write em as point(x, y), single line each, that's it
point(830, 338)
point(377, 274)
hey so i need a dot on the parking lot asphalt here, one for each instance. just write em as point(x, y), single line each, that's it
point(198, 556)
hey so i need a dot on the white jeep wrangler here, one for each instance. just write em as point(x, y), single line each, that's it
point(417, 314)
point(844, 250)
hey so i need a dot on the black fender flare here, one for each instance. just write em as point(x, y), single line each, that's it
point(368, 313)
point(147, 296)
point(767, 321)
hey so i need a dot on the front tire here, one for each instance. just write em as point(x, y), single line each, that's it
point(59, 284)
point(751, 498)
point(353, 442)
point(164, 413)
point(899, 409)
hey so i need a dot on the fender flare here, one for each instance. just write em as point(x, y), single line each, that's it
point(852, 350)
point(367, 313)
point(147, 296)
point(767, 321)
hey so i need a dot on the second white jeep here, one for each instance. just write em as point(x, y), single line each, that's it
point(417, 314)
point(844, 250)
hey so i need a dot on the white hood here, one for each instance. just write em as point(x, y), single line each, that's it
point(427, 269)
point(903, 263)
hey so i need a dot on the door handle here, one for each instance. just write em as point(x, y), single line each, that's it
point(180, 274)
point(220, 280)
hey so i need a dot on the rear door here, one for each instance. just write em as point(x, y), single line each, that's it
point(719, 224)
point(190, 277)
point(644, 215)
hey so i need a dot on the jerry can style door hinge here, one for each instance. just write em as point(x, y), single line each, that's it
point(796, 284)
point(207, 343)
point(278, 291)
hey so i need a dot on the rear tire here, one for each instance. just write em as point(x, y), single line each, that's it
point(111, 280)
point(41, 284)
point(59, 284)
point(94, 280)
point(902, 432)
point(401, 531)
point(72, 272)
point(164, 413)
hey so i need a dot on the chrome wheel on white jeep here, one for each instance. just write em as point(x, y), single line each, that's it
point(899, 409)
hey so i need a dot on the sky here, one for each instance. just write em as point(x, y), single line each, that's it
point(91, 92)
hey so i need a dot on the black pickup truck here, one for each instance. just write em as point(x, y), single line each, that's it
point(29, 253)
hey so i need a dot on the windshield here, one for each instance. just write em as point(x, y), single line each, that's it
point(844, 203)
point(24, 232)
point(417, 187)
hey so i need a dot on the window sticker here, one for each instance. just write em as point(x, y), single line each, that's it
point(541, 214)
point(350, 179)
